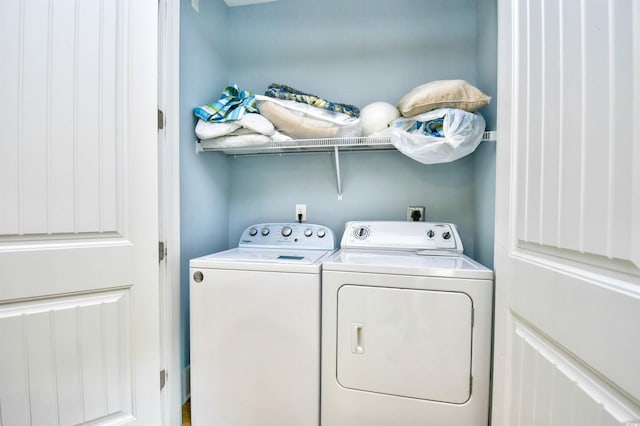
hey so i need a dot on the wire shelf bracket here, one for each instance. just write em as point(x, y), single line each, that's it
point(299, 146)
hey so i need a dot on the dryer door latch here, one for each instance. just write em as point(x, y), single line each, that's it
point(357, 332)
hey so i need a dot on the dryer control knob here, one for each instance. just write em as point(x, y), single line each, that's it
point(286, 231)
point(265, 231)
point(361, 233)
point(253, 232)
point(446, 235)
point(321, 233)
point(308, 232)
point(430, 233)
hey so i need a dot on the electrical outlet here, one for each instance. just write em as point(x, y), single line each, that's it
point(301, 209)
point(415, 213)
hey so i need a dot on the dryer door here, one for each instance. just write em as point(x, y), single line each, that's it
point(404, 342)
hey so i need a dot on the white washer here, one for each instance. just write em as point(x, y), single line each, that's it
point(406, 328)
point(255, 328)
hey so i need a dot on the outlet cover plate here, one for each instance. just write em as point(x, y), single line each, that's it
point(410, 211)
point(301, 209)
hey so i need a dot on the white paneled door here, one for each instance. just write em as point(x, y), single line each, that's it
point(78, 213)
point(567, 320)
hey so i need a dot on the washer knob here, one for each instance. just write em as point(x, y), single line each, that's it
point(321, 233)
point(265, 232)
point(446, 235)
point(253, 232)
point(308, 232)
point(286, 231)
point(430, 233)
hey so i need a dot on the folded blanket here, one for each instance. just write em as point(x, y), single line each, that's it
point(252, 121)
point(281, 91)
point(208, 130)
point(231, 106)
point(244, 138)
point(433, 127)
point(427, 127)
point(236, 141)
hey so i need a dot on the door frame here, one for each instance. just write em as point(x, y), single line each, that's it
point(169, 210)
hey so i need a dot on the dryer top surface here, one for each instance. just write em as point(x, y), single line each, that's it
point(406, 263)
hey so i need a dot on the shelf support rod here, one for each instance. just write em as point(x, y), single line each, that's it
point(336, 151)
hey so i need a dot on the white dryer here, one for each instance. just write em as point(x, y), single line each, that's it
point(255, 328)
point(406, 328)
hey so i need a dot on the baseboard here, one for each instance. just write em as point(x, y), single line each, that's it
point(186, 384)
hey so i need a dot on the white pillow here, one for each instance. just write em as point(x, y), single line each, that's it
point(207, 130)
point(257, 123)
point(376, 117)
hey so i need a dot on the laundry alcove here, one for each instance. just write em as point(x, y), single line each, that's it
point(349, 51)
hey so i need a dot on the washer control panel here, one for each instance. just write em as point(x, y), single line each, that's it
point(429, 238)
point(288, 235)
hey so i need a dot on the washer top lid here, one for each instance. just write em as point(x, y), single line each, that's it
point(297, 236)
point(428, 238)
point(261, 259)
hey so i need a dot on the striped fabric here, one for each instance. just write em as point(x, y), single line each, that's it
point(281, 91)
point(231, 106)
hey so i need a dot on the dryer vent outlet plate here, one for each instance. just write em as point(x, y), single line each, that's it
point(415, 214)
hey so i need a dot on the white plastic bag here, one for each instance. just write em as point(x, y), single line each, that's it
point(462, 134)
point(304, 121)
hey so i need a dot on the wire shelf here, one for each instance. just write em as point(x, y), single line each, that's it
point(303, 145)
point(312, 145)
point(334, 145)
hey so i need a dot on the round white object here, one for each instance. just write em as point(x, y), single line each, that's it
point(376, 117)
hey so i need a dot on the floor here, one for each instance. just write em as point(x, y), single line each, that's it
point(186, 414)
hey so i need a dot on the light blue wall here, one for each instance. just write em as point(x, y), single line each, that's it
point(353, 51)
point(345, 52)
point(376, 186)
point(204, 179)
point(487, 54)
point(485, 155)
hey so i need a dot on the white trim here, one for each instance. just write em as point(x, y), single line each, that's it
point(503, 322)
point(170, 212)
point(173, 138)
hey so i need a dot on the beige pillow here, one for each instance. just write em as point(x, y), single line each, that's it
point(297, 125)
point(442, 94)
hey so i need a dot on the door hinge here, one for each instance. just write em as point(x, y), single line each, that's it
point(163, 378)
point(162, 251)
point(160, 119)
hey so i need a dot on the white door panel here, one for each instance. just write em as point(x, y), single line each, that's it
point(568, 198)
point(94, 266)
point(66, 359)
point(550, 388)
point(78, 212)
point(64, 106)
